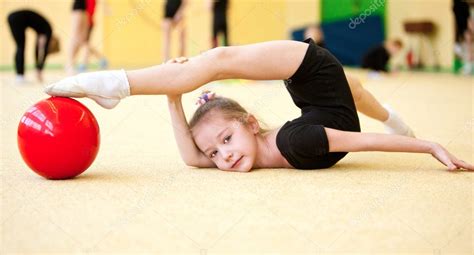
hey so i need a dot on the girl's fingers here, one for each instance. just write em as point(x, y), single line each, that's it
point(464, 165)
point(451, 166)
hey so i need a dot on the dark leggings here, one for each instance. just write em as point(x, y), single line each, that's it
point(18, 28)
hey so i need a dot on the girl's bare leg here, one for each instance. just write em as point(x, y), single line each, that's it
point(263, 61)
point(368, 105)
point(275, 60)
point(365, 102)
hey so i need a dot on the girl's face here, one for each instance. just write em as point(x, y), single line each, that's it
point(230, 144)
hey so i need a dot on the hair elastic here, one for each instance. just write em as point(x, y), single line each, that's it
point(205, 97)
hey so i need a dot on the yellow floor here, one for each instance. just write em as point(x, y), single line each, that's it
point(139, 197)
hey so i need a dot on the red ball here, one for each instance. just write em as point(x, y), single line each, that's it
point(58, 138)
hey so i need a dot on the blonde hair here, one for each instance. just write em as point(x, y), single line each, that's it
point(229, 108)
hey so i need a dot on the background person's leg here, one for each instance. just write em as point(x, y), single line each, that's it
point(41, 50)
point(166, 26)
point(20, 56)
point(78, 37)
point(18, 33)
point(87, 51)
point(469, 55)
point(225, 35)
point(182, 37)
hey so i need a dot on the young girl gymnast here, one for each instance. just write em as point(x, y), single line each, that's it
point(222, 134)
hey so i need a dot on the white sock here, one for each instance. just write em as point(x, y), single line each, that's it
point(458, 50)
point(467, 68)
point(20, 79)
point(395, 125)
point(105, 87)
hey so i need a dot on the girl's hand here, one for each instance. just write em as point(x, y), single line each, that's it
point(174, 98)
point(449, 160)
point(180, 60)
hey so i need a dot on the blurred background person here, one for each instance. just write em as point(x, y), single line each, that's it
point(174, 19)
point(219, 22)
point(376, 59)
point(79, 28)
point(316, 33)
point(19, 21)
point(464, 35)
point(89, 49)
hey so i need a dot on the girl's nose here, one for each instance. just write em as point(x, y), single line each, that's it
point(227, 155)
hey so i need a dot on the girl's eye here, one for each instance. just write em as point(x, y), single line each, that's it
point(227, 139)
point(213, 154)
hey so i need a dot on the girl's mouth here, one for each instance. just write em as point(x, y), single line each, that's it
point(237, 162)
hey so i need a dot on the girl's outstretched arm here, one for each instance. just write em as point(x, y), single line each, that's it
point(354, 141)
point(190, 153)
